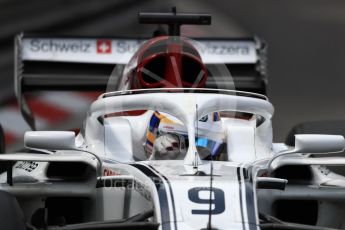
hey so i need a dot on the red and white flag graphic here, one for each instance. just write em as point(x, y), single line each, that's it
point(104, 46)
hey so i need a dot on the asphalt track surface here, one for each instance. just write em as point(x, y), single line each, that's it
point(305, 39)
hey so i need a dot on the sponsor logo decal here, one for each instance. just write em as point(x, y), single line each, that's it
point(225, 49)
point(28, 166)
point(104, 46)
point(59, 46)
point(121, 50)
point(109, 172)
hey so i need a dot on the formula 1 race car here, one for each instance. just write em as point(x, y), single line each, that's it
point(181, 139)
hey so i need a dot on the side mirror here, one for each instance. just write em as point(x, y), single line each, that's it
point(319, 144)
point(313, 144)
point(271, 183)
point(50, 140)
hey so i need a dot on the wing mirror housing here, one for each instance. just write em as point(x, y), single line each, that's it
point(50, 140)
point(313, 144)
point(319, 144)
point(271, 183)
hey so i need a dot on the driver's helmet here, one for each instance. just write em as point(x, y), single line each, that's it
point(165, 62)
point(209, 134)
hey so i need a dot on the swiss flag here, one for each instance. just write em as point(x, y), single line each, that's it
point(104, 46)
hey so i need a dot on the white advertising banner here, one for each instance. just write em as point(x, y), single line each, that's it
point(119, 51)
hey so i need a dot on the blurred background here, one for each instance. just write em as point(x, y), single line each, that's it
point(306, 51)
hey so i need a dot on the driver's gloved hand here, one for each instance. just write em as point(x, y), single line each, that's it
point(169, 147)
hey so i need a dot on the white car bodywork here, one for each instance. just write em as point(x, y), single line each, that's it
point(178, 191)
